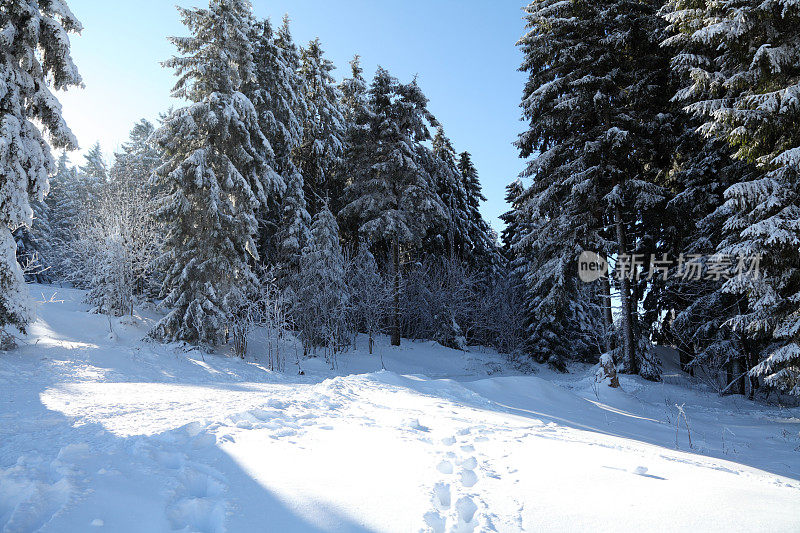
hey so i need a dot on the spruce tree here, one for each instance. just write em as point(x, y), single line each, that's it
point(323, 298)
point(456, 241)
point(214, 176)
point(391, 197)
point(511, 232)
point(355, 107)
point(35, 60)
point(597, 104)
point(323, 131)
point(481, 235)
point(94, 174)
point(741, 66)
point(135, 164)
point(353, 91)
point(63, 205)
point(277, 93)
point(293, 236)
point(369, 294)
point(690, 313)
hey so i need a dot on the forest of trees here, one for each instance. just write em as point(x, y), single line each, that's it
point(278, 196)
point(345, 202)
point(664, 130)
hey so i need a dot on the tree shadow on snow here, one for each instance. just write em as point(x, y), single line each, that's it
point(60, 474)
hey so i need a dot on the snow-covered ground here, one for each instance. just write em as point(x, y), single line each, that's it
point(102, 431)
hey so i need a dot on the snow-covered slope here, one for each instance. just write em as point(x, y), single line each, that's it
point(102, 431)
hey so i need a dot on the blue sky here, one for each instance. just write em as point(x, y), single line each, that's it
point(463, 52)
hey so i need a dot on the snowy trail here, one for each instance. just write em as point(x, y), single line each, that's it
point(105, 432)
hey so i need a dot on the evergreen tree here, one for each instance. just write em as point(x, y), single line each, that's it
point(597, 104)
point(35, 59)
point(353, 91)
point(277, 94)
point(63, 205)
point(481, 235)
point(369, 294)
point(293, 237)
point(215, 175)
point(324, 297)
point(138, 160)
point(741, 61)
point(94, 175)
point(511, 232)
point(694, 314)
point(391, 196)
point(355, 106)
point(456, 241)
point(323, 132)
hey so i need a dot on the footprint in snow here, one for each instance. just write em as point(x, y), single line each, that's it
point(466, 509)
point(460, 516)
point(442, 492)
point(445, 467)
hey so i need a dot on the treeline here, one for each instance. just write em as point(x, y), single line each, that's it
point(344, 204)
point(668, 131)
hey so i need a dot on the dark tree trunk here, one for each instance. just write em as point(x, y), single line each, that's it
point(396, 309)
point(628, 345)
point(738, 375)
point(685, 358)
point(608, 319)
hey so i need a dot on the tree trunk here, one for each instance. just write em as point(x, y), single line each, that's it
point(685, 358)
point(396, 309)
point(628, 345)
point(608, 319)
point(750, 362)
point(728, 377)
point(738, 375)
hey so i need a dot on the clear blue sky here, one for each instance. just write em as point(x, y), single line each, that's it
point(463, 52)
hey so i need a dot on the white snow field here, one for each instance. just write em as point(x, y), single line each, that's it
point(102, 431)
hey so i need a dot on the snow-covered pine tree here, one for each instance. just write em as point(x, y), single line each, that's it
point(741, 61)
point(355, 106)
point(391, 197)
point(323, 132)
point(324, 298)
point(353, 93)
point(456, 241)
point(597, 104)
point(693, 314)
point(370, 295)
point(484, 239)
point(63, 206)
point(510, 234)
point(135, 164)
point(293, 236)
point(214, 176)
point(94, 175)
point(35, 58)
point(122, 240)
point(277, 94)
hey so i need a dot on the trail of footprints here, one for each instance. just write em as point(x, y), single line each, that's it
point(454, 502)
point(197, 501)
